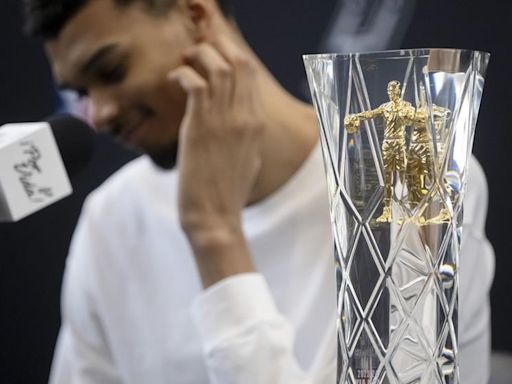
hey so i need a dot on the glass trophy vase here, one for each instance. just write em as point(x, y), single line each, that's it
point(396, 131)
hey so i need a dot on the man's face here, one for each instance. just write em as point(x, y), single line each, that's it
point(120, 58)
point(393, 92)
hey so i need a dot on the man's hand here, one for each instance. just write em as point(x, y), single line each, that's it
point(219, 155)
point(352, 123)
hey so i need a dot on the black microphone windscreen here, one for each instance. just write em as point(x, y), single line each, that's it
point(75, 140)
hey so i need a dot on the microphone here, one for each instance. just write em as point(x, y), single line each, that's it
point(36, 160)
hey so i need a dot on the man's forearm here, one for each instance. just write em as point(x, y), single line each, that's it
point(219, 253)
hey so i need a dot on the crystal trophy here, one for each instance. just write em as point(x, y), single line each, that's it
point(396, 130)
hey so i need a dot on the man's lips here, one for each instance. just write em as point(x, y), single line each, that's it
point(129, 134)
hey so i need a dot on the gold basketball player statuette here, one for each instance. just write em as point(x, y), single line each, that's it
point(412, 164)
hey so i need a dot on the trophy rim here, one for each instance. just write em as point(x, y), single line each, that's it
point(390, 54)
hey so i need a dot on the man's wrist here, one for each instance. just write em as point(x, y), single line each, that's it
point(220, 252)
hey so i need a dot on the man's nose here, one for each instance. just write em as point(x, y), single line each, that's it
point(103, 111)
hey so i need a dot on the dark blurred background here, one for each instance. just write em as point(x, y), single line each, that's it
point(33, 252)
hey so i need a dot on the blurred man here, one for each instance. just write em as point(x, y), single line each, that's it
point(220, 270)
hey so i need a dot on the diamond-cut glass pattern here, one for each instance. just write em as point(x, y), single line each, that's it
point(398, 279)
point(364, 266)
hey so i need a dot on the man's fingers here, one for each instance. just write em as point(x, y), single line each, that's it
point(241, 65)
point(193, 85)
point(213, 66)
point(220, 76)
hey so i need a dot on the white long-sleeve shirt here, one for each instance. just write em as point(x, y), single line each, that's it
point(134, 311)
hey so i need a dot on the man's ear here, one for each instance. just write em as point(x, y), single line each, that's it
point(202, 14)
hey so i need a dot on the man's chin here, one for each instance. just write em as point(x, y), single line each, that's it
point(165, 158)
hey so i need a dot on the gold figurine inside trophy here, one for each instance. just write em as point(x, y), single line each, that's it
point(413, 164)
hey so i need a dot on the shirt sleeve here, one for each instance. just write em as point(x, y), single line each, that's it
point(82, 355)
point(245, 338)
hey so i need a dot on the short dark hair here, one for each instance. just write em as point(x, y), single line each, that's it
point(46, 18)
